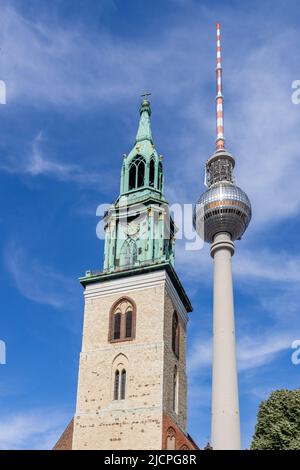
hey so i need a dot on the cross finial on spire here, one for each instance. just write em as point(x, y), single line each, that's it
point(145, 95)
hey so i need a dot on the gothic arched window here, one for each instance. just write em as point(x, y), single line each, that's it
point(175, 390)
point(122, 320)
point(160, 176)
point(171, 439)
point(119, 376)
point(116, 385)
point(175, 334)
point(141, 173)
point(117, 324)
point(128, 323)
point(132, 172)
point(151, 173)
point(137, 172)
point(129, 253)
point(123, 385)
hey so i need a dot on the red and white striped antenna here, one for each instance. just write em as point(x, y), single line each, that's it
point(220, 141)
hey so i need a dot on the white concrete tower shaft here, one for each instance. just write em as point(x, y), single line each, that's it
point(225, 432)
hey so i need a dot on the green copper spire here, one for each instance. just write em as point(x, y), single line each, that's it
point(144, 130)
point(142, 169)
point(138, 229)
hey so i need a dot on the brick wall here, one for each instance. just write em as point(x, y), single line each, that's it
point(65, 440)
point(182, 440)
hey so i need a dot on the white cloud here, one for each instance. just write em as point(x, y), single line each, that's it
point(68, 68)
point(267, 265)
point(254, 265)
point(62, 66)
point(37, 282)
point(200, 356)
point(259, 351)
point(252, 352)
point(283, 304)
point(36, 163)
point(265, 124)
point(36, 429)
point(47, 63)
point(261, 127)
point(260, 392)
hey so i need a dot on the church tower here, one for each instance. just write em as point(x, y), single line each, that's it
point(132, 387)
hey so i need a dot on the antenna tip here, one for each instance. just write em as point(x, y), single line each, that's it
point(218, 25)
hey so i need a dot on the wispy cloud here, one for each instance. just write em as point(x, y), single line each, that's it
point(261, 127)
point(256, 352)
point(50, 65)
point(200, 355)
point(252, 352)
point(282, 303)
point(268, 265)
point(36, 429)
point(267, 147)
point(36, 163)
point(255, 265)
point(69, 66)
point(38, 282)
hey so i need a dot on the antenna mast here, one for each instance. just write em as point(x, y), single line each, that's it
point(220, 141)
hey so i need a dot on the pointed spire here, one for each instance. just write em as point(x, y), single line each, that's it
point(144, 130)
point(220, 141)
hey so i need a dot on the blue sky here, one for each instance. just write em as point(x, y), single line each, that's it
point(74, 72)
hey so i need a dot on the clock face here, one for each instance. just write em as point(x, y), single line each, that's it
point(132, 228)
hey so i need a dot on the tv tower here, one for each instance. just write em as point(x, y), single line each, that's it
point(221, 216)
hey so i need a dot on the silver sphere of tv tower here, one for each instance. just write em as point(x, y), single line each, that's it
point(224, 207)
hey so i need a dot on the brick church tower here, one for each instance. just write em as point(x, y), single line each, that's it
point(132, 388)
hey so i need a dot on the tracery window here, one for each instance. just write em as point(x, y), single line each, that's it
point(129, 253)
point(128, 324)
point(137, 172)
point(160, 176)
point(119, 377)
point(116, 385)
point(151, 173)
point(117, 325)
point(123, 385)
point(171, 439)
point(122, 320)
